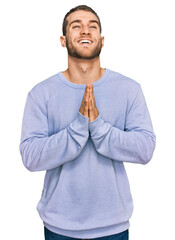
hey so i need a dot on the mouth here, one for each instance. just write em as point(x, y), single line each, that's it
point(85, 42)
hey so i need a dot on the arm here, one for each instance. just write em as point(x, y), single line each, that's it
point(42, 152)
point(135, 144)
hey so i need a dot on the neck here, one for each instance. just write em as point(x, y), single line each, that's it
point(82, 71)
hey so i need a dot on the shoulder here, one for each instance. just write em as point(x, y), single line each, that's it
point(122, 79)
point(43, 90)
point(125, 84)
point(46, 85)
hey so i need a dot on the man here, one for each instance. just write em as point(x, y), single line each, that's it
point(80, 126)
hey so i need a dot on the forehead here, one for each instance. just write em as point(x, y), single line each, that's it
point(81, 15)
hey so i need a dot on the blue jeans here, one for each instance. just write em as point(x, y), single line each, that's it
point(53, 236)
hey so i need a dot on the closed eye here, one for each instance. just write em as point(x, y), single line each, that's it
point(76, 26)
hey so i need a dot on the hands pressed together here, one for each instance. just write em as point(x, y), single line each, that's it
point(88, 107)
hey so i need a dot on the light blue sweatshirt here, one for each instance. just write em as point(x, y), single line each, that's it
point(86, 193)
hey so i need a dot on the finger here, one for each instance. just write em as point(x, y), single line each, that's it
point(87, 98)
point(91, 87)
point(84, 96)
point(90, 90)
point(85, 93)
point(87, 89)
point(86, 108)
point(90, 104)
point(93, 97)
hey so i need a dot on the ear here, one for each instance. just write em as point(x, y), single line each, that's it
point(63, 41)
point(102, 40)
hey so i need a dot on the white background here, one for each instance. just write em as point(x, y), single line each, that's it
point(139, 43)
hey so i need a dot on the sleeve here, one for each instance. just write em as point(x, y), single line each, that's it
point(40, 151)
point(135, 144)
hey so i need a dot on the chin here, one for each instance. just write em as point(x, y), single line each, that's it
point(85, 56)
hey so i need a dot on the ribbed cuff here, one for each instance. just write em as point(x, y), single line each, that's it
point(96, 125)
point(79, 126)
point(82, 118)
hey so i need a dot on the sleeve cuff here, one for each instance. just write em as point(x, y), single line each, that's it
point(82, 118)
point(96, 125)
point(79, 125)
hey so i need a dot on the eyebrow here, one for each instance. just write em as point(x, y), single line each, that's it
point(79, 21)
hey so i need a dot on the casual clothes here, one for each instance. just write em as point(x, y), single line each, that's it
point(86, 192)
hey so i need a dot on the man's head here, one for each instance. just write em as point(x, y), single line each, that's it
point(80, 7)
point(82, 33)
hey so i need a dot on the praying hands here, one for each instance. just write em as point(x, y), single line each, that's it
point(88, 107)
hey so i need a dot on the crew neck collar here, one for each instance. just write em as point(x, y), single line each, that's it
point(82, 86)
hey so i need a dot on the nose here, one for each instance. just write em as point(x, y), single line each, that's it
point(85, 30)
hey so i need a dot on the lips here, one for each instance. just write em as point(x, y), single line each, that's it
point(85, 41)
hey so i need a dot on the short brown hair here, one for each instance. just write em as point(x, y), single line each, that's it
point(80, 7)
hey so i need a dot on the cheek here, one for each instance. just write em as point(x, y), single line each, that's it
point(72, 39)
